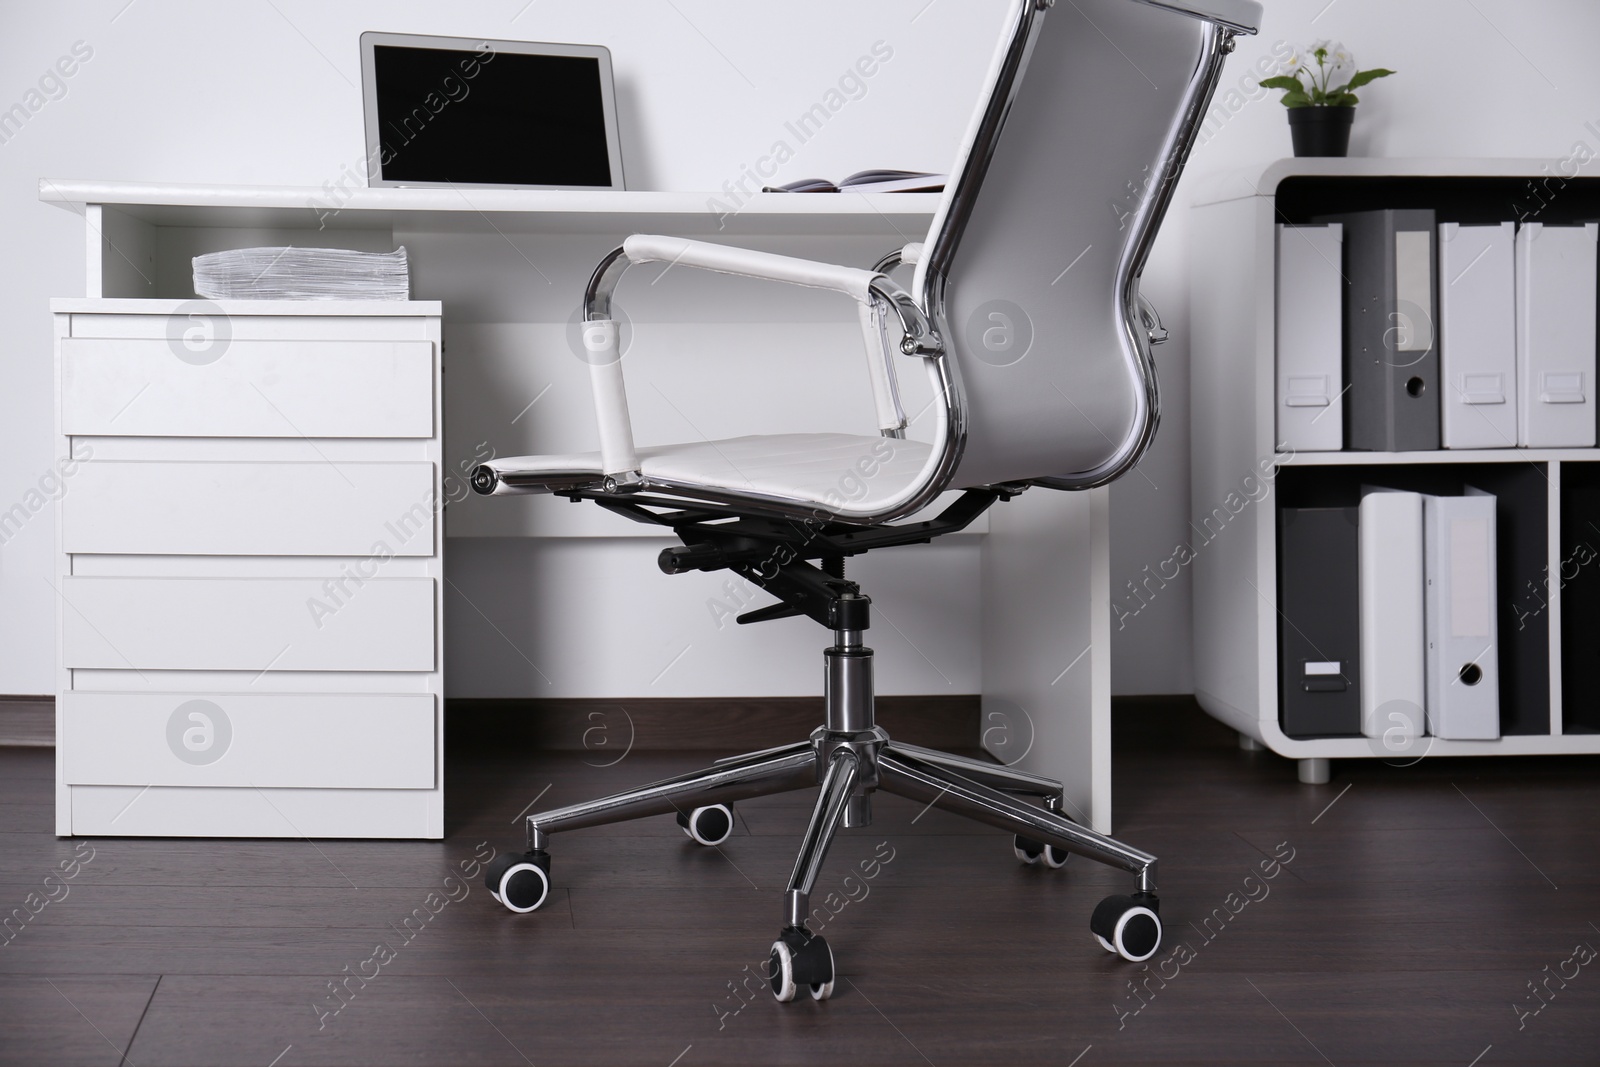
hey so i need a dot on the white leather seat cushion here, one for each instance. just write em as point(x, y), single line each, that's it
point(834, 470)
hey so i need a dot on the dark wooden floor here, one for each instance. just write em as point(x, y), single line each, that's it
point(1418, 905)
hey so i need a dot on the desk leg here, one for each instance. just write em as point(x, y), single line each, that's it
point(1047, 644)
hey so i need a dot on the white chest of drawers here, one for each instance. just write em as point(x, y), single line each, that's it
point(248, 569)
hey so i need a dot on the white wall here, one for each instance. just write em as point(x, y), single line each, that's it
point(252, 92)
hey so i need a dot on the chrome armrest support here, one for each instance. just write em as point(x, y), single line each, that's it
point(910, 255)
point(920, 337)
point(1152, 322)
point(607, 273)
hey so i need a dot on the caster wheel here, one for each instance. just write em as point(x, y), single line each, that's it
point(708, 826)
point(496, 870)
point(1032, 852)
point(1027, 850)
point(521, 883)
point(823, 990)
point(800, 960)
point(1128, 926)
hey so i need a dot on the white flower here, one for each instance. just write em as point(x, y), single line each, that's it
point(1341, 65)
point(1297, 63)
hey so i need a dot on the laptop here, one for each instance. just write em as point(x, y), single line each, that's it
point(454, 111)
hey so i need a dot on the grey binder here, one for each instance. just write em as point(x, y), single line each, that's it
point(1319, 623)
point(1391, 342)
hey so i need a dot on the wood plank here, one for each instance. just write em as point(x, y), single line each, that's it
point(27, 722)
point(71, 1019)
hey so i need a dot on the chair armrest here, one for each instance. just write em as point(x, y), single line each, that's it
point(874, 294)
point(880, 369)
point(619, 460)
point(872, 289)
point(727, 259)
point(864, 286)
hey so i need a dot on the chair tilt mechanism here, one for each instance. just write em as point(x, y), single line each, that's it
point(1113, 95)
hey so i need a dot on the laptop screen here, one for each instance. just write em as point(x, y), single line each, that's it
point(483, 114)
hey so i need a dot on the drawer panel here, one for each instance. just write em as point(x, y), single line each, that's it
point(276, 740)
point(248, 624)
point(254, 320)
point(245, 509)
point(179, 811)
point(248, 388)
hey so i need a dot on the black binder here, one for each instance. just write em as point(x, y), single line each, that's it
point(1319, 622)
point(1579, 577)
point(1391, 342)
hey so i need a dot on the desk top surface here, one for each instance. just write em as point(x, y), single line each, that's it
point(165, 204)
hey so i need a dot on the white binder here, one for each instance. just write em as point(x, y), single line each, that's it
point(1310, 338)
point(1478, 335)
point(1393, 661)
point(1463, 646)
point(1556, 268)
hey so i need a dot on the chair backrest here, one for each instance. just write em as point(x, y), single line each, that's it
point(1032, 263)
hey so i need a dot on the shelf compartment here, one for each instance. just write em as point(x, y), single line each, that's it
point(1522, 494)
point(1577, 576)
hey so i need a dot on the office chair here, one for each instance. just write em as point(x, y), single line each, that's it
point(1089, 111)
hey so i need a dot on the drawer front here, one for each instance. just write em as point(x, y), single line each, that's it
point(279, 740)
point(248, 624)
point(187, 811)
point(249, 508)
point(246, 388)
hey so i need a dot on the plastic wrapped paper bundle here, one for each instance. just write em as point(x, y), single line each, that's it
point(302, 274)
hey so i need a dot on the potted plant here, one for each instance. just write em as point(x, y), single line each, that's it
point(1319, 84)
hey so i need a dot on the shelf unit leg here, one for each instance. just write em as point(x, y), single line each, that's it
point(1250, 744)
point(1315, 771)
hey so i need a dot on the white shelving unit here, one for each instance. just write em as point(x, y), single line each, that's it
point(1233, 437)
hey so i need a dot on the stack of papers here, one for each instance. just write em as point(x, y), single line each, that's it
point(302, 274)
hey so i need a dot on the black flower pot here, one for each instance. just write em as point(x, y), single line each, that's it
point(1321, 131)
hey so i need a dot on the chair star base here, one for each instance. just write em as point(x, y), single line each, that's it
point(850, 757)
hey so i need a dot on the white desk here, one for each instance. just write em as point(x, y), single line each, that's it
point(507, 269)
